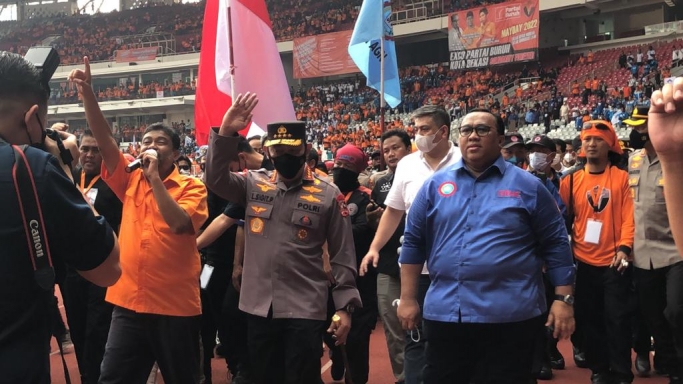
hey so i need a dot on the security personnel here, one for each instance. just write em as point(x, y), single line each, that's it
point(349, 162)
point(290, 214)
point(658, 266)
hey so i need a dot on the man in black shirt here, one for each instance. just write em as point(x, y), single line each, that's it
point(395, 145)
point(88, 314)
point(73, 235)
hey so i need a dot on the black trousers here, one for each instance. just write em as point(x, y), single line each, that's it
point(363, 321)
point(233, 332)
point(284, 351)
point(89, 317)
point(545, 340)
point(462, 353)
point(602, 306)
point(660, 293)
point(212, 306)
point(137, 340)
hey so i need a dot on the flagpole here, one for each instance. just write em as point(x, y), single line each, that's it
point(232, 56)
point(382, 126)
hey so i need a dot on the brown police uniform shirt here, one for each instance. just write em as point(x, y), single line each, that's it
point(654, 245)
point(285, 229)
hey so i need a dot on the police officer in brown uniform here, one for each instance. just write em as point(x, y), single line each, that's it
point(658, 266)
point(290, 214)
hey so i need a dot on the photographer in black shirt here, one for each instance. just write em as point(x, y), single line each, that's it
point(72, 234)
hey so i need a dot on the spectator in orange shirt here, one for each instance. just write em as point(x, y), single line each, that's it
point(157, 308)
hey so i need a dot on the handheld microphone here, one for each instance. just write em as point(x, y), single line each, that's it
point(137, 163)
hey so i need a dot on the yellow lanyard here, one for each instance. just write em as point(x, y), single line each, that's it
point(92, 182)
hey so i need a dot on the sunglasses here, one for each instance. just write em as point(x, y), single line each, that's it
point(482, 130)
point(597, 125)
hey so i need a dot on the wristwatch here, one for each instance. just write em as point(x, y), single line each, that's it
point(567, 299)
point(349, 308)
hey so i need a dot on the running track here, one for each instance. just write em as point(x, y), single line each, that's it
point(380, 369)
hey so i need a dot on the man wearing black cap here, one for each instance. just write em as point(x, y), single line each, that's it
point(542, 151)
point(658, 269)
point(514, 151)
point(290, 214)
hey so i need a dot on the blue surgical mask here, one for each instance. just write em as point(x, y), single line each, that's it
point(512, 160)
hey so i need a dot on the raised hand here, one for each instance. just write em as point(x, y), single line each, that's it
point(665, 122)
point(239, 114)
point(82, 78)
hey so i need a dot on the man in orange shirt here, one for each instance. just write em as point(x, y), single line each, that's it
point(157, 308)
point(601, 209)
point(486, 28)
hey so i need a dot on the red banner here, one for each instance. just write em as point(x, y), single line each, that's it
point(136, 54)
point(493, 35)
point(323, 55)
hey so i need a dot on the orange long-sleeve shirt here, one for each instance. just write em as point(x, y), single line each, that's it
point(604, 198)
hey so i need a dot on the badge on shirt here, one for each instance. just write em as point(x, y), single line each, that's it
point(341, 202)
point(353, 209)
point(91, 195)
point(310, 198)
point(311, 189)
point(660, 181)
point(447, 189)
point(593, 231)
point(302, 234)
point(256, 225)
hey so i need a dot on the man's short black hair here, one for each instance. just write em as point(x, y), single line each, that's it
point(183, 158)
point(400, 133)
point(313, 155)
point(484, 11)
point(500, 124)
point(562, 144)
point(175, 139)
point(437, 113)
point(243, 146)
point(255, 137)
point(21, 81)
point(87, 133)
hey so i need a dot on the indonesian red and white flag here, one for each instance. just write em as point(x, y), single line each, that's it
point(258, 66)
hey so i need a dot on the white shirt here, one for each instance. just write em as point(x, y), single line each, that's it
point(639, 58)
point(411, 172)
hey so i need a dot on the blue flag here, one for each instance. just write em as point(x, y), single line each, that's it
point(364, 48)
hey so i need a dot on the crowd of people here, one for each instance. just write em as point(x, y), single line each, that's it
point(100, 35)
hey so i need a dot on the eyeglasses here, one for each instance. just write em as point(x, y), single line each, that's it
point(482, 130)
point(597, 125)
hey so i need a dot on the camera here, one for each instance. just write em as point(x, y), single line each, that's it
point(46, 59)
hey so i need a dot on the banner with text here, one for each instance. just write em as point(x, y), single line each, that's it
point(136, 54)
point(493, 35)
point(323, 55)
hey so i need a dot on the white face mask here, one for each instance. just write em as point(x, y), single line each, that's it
point(426, 143)
point(568, 158)
point(556, 160)
point(538, 161)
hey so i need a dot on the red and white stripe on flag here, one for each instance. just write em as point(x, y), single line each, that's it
point(258, 66)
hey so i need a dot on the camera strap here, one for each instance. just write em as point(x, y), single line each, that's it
point(34, 225)
point(32, 216)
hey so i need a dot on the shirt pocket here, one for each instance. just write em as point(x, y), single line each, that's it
point(304, 226)
point(258, 220)
point(634, 185)
point(659, 190)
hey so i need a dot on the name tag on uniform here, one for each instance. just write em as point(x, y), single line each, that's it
point(593, 231)
point(204, 278)
point(91, 195)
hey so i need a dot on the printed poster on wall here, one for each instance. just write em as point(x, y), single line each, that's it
point(323, 55)
point(493, 35)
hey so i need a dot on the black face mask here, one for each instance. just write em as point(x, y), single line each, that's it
point(345, 179)
point(638, 140)
point(41, 144)
point(288, 165)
